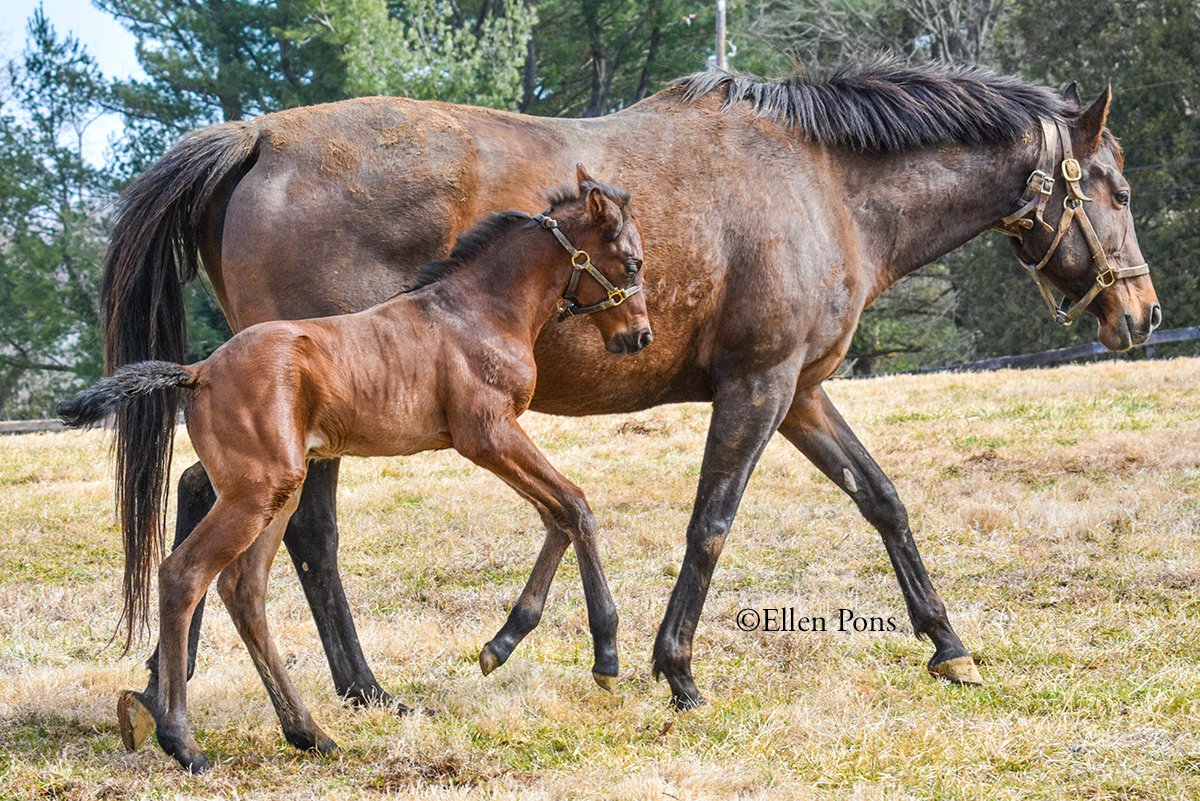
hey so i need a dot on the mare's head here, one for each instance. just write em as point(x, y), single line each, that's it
point(1110, 268)
point(596, 223)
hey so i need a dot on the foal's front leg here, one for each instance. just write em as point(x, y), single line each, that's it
point(506, 450)
point(527, 612)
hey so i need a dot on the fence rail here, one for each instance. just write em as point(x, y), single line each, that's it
point(1060, 355)
point(1043, 359)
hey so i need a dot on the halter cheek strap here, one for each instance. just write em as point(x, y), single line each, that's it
point(1034, 199)
point(583, 263)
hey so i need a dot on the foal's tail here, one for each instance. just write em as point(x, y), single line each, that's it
point(143, 464)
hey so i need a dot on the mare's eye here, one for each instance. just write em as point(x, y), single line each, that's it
point(633, 266)
point(1122, 197)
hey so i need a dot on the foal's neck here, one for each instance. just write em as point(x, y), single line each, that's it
point(516, 283)
point(914, 207)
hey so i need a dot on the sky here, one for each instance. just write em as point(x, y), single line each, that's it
point(109, 43)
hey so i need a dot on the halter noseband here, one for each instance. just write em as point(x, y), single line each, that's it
point(1037, 193)
point(582, 262)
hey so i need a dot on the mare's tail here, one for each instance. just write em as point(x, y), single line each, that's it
point(143, 464)
point(154, 250)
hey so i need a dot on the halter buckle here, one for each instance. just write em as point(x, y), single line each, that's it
point(1071, 170)
point(1042, 183)
point(1111, 278)
point(617, 297)
point(580, 259)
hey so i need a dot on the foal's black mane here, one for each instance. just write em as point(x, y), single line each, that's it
point(885, 105)
point(472, 242)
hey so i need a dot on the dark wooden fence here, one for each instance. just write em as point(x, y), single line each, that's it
point(1060, 355)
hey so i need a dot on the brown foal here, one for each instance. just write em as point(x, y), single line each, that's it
point(446, 364)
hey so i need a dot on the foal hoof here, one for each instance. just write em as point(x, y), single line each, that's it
point(607, 683)
point(960, 670)
point(686, 703)
point(489, 659)
point(194, 763)
point(133, 719)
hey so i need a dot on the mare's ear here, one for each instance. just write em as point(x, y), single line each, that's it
point(1090, 123)
point(582, 177)
point(1071, 95)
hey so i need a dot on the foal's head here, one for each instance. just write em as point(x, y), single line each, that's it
point(1125, 303)
point(596, 221)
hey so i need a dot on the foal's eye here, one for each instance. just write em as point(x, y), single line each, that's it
point(633, 266)
point(1122, 197)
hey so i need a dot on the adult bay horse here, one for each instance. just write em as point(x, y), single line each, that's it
point(448, 363)
point(775, 211)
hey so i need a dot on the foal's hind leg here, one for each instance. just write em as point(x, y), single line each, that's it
point(508, 452)
point(134, 716)
point(814, 426)
point(183, 578)
point(527, 612)
point(243, 588)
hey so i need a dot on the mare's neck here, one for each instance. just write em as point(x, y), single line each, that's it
point(914, 207)
point(516, 283)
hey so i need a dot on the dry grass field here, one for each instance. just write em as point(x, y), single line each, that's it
point(1057, 510)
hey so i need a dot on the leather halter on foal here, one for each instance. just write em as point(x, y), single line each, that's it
point(582, 262)
point(1037, 193)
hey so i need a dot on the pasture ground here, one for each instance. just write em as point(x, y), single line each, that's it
point(1057, 510)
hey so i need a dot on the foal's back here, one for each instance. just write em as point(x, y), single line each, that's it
point(373, 383)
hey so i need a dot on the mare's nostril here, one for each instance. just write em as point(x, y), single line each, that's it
point(1155, 316)
point(645, 338)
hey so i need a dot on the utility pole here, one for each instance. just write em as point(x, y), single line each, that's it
point(721, 61)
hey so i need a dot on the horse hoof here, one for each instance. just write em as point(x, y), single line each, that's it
point(960, 670)
point(686, 703)
point(133, 719)
point(489, 660)
point(607, 683)
point(326, 746)
point(195, 763)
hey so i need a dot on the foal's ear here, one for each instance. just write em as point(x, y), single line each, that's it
point(1090, 123)
point(604, 211)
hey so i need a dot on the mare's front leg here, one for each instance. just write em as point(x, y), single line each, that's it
point(506, 450)
point(814, 426)
point(748, 405)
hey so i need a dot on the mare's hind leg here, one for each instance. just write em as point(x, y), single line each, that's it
point(527, 612)
point(312, 543)
point(225, 532)
point(243, 588)
point(507, 451)
point(814, 426)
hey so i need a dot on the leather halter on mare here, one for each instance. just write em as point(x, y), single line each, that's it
point(1037, 193)
point(582, 262)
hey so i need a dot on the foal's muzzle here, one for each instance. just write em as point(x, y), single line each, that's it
point(630, 342)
